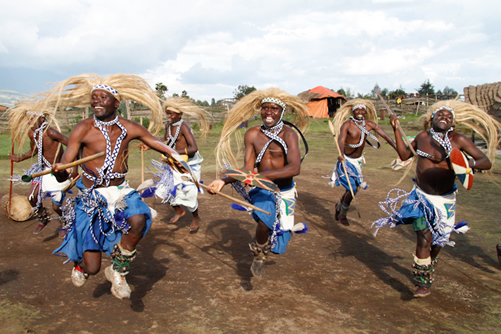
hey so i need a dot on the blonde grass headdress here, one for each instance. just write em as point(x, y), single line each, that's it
point(249, 106)
point(23, 116)
point(76, 92)
point(474, 118)
point(189, 108)
point(346, 110)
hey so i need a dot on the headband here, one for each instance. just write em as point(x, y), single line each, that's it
point(446, 108)
point(274, 100)
point(107, 88)
point(34, 113)
point(359, 106)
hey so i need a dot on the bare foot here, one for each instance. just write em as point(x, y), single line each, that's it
point(194, 225)
point(179, 213)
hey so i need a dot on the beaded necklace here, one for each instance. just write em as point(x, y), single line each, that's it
point(271, 133)
point(443, 140)
point(105, 174)
point(171, 140)
point(364, 133)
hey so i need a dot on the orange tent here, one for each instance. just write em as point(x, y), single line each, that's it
point(322, 102)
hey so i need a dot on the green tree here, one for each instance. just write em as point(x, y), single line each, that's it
point(213, 102)
point(450, 92)
point(184, 94)
point(243, 90)
point(175, 95)
point(397, 92)
point(161, 90)
point(346, 93)
point(384, 91)
point(426, 88)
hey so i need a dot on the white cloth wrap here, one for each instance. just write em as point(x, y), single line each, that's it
point(115, 195)
point(444, 207)
point(50, 184)
point(186, 192)
point(287, 208)
point(357, 162)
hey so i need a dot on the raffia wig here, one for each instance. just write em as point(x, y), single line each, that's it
point(188, 108)
point(246, 108)
point(473, 117)
point(343, 113)
point(23, 116)
point(76, 92)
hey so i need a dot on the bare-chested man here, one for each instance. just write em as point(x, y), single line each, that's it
point(45, 142)
point(181, 194)
point(273, 149)
point(108, 215)
point(352, 138)
point(431, 205)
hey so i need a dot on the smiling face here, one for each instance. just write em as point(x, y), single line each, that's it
point(359, 113)
point(104, 105)
point(270, 114)
point(173, 117)
point(442, 121)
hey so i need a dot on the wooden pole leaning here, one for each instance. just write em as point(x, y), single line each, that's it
point(28, 178)
point(11, 174)
point(233, 199)
point(397, 123)
point(331, 127)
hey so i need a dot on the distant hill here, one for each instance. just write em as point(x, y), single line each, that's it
point(9, 98)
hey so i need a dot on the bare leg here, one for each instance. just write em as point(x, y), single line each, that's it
point(260, 247)
point(195, 223)
point(262, 232)
point(179, 213)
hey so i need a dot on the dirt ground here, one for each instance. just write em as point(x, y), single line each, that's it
point(333, 279)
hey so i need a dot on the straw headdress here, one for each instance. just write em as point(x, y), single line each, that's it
point(343, 113)
point(249, 106)
point(474, 118)
point(187, 107)
point(76, 92)
point(23, 116)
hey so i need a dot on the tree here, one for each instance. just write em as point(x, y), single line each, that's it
point(184, 94)
point(450, 91)
point(243, 90)
point(175, 95)
point(213, 102)
point(384, 91)
point(426, 88)
point(346, 93)
point(397, 92)
point(161, 90)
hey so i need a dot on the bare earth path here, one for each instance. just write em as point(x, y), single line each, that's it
point(334, 279)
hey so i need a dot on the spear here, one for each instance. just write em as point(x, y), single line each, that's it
point(28, 178)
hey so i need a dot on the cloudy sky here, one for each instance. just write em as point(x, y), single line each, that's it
point(208, 48)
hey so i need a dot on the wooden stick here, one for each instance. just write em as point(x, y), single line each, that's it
point(72, 183)
point(27, 178)
point(331, 126)
point(233, 199)
point(11, 173)
point(402, 133)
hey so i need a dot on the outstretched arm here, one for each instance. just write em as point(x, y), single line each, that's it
point(33, 151)
point(383, 134)
point(57, 136)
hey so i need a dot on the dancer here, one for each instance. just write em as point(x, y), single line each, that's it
point(107, 215)
point(352, 134)
point(45, 142)
point(430, 206)
point(273, 149)
point(171, 188)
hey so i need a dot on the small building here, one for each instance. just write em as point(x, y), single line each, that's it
point(322, 102)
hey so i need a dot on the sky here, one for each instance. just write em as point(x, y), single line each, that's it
point(209, 48)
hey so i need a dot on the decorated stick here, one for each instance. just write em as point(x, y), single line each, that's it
point(407, 142)
point(72, 183)
point(331, 126)
point(28, 178)
point(233, 199)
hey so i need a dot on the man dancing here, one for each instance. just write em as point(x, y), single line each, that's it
point(430, 206)
point(107, 215)
point(45, 142)
point(273, 149)
point(181, 194)
point(352, 134)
